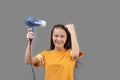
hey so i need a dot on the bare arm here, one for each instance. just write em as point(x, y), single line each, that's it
point(28, 54)
point(75, 46)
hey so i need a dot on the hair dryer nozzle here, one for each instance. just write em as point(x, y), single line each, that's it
point(40, 23)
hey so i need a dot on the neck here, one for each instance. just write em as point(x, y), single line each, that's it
point(59, 49)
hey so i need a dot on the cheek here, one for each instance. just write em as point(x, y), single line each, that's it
point(65, 39)
point(53, 39)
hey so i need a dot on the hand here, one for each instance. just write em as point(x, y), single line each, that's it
point(70, 27)
point(30, 34)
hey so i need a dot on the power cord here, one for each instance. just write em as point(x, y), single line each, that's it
point(31, 59)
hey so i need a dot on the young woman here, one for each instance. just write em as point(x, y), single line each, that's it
point(59, 61)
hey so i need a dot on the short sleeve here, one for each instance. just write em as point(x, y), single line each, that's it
point(39, 62)
point(80, 53)
point(43, 53)
point(40, 58)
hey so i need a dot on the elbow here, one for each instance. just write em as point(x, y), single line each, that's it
point(74, 54)
point(26, 63)
point(75, 57)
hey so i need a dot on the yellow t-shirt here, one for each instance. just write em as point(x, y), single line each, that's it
point(58, 64)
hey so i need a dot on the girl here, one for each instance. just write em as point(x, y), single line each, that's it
point(59, 61)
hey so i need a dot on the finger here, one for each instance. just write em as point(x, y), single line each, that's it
point(30, 37)
point(31, 33)
point(29, 30)
point(66, 25)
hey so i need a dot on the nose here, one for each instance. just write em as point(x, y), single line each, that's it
point(59, 38)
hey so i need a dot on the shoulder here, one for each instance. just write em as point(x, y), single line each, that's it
point(44, 51)
point(69, 50)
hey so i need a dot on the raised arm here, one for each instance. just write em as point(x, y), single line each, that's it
point(75, 46)
point(28, 54)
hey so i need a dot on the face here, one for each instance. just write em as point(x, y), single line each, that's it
point(59, 38)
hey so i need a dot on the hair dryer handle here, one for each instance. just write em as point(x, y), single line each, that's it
point(32, 28)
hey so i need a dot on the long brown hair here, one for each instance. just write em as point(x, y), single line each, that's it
point(68, 41)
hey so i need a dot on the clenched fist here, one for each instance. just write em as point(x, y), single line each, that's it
point(30, 34)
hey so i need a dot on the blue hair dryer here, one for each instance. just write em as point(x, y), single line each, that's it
point(32, 22)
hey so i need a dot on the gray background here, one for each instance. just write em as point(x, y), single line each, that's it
point(97, 24)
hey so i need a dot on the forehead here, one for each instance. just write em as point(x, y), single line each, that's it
point(59, 31)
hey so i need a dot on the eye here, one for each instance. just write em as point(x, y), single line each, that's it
point(62, 36)
point(56, 35)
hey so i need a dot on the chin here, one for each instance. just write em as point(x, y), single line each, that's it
point(59, 47)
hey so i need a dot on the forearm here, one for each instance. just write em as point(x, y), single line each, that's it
point(28, 54)
point(74, 42)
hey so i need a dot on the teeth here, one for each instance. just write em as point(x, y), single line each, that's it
point(59, 43)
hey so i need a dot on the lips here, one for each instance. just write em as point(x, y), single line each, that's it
point(58, 42)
